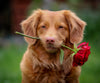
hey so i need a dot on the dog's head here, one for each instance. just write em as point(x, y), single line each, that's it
point(53, 28)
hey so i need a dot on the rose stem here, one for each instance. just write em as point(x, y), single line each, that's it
point(68, 48)
point(39, 38)
point(26, 35)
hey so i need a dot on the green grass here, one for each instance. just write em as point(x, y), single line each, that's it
point(91, 69)
point(11, 55)
point(10, 58)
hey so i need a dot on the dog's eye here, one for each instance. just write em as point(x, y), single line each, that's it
point(61, 27)
point(43, 26)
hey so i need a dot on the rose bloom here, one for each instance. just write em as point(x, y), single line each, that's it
point(82, 55)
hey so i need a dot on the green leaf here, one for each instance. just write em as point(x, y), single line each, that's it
point(74, 46)
point(73, 54)
point(76, 49)
point(61, 55)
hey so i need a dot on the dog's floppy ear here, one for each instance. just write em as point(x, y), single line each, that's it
point(29, 26)
point(76, 26)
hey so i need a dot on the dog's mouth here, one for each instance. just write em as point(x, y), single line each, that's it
point(51, 48)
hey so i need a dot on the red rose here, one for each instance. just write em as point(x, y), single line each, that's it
point(82, 55)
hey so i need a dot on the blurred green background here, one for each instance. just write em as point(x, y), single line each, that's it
point(13, 46)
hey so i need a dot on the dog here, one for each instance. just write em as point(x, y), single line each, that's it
point(40, 63)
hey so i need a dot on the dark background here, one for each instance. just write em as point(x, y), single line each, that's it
point(12, 46)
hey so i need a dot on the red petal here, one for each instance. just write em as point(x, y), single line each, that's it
point(82, 44)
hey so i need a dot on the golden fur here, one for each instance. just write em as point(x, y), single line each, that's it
point(42, 65)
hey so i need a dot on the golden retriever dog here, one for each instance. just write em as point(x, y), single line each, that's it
point(41, 63)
